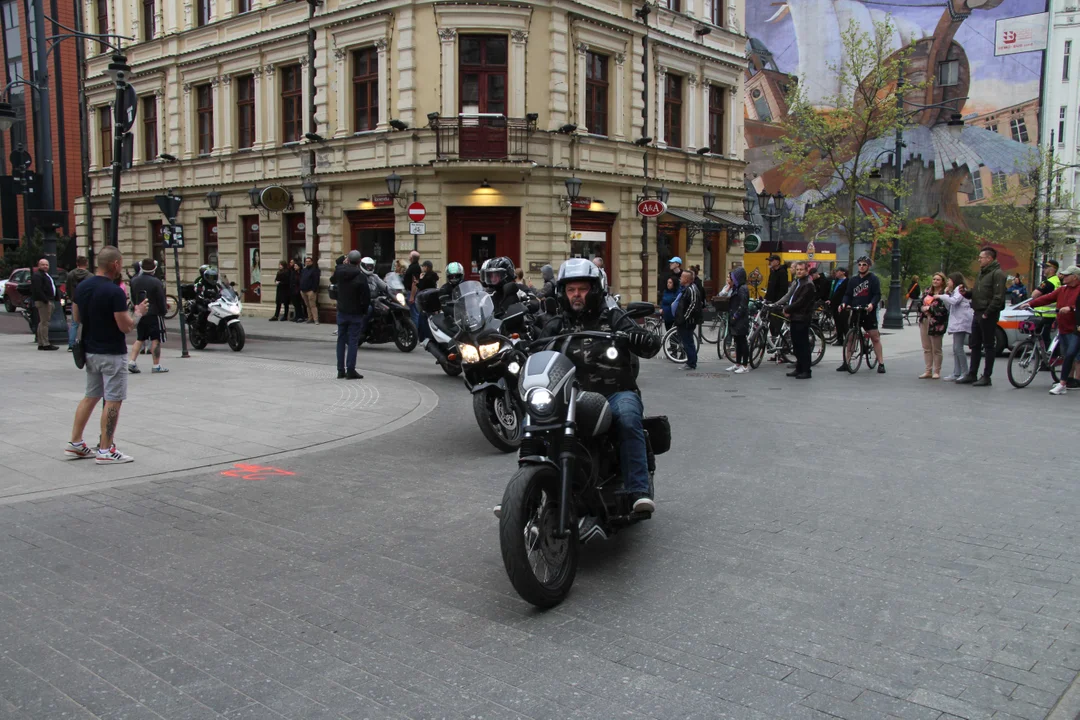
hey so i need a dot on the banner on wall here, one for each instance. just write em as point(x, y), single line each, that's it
point(1025, 33)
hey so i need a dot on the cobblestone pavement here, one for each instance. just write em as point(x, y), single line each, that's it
point(859, 547)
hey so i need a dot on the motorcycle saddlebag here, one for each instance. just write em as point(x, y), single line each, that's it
point(187, 291)
point(659, 430)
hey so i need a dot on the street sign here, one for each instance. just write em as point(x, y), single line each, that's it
point(417, 228)
point(651, 208)
point(173, 236)
point(129, 106)
point(169, 205)
point(416, 212)
point(751, 243)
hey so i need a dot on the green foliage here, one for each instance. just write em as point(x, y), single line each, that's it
point(29, 251)
point(931, 247)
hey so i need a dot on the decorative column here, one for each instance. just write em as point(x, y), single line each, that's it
point(516, 106)
point(661, 91)
point(620, 112)
point(731, 119)
point(341, 67)
point(692, 131)
point(219, 115)
point(269, 101)
point(381, 47)
point(227, 106)
point(447, 42)
point(260, 123)
point(162, 123)
point(172, 16)
point(189, 125)
point(305, 79)
point(703, 113)
point(580, 58)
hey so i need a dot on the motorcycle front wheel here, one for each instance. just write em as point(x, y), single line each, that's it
point(237, 337)
point(451, 369)
point(198, 339)
point(540, 566)
point(405, 335)
point(501, 425)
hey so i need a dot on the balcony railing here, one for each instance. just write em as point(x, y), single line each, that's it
point(484, 136)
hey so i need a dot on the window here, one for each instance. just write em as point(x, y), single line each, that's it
point(673, 111)
point(106, 231)
point(150, 131)
point(596, 93)
point(210, 241)
point(292, 105)
point(204, 99)
point(483, 74)
point(149, 20)
point(245, 112)
point(761, 105)
point(976, 188)
point(717, 96)
point(1061, 125)
point(1019, 129)
point(105, 130)
point(102, 8)
point(202, 12)
point(9, 18)
point(1065, 60)
point(243, 6)
point(365, 89)
point(1000, 182)
point(674, 5)
point(948, 73)
point(992, 128)
point(717, 7)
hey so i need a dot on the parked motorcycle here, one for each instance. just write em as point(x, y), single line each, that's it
point(566, 489)
point(214, 322)
point(390, 319)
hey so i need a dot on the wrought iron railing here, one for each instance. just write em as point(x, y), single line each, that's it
point(482, 136)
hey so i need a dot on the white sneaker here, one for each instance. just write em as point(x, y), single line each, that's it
point(1059, 389)
point(112, 456)
point(948, 378)
point(733, 368)
point(78, 451)
point(742, 370)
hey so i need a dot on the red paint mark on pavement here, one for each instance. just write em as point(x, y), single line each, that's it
point(255, 472)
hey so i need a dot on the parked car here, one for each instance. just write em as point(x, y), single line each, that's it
point(12, 296)
point(1008, 329)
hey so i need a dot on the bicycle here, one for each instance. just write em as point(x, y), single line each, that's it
point(857, 343)
point(825, 322)
point(1029, 355)
point(780, 345)
point(672, 343)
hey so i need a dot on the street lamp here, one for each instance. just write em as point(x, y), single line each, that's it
point(311, 189)
point(708, 200)
point(213, 200)
point(254, 197)
point(573, 192)
point(772, 208)
point(393, 184)
point(663, 194)
point(119, 71)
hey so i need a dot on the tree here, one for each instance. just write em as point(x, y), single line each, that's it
point(929, 247)
point(829, 148)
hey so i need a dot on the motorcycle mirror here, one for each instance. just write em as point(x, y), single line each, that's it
point(640, 309)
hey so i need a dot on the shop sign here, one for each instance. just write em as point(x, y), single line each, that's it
point(581, 203)
point(275, 198)
point(593, 236)
point(382, 200)
point(751, 243)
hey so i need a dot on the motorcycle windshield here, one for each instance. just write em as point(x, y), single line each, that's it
point(393, 281)
point(228, 294)
point(474, 306)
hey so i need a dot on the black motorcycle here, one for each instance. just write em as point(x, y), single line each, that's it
point(441, 345)
point(390, 320)
point(566, 489)
point(492, 355)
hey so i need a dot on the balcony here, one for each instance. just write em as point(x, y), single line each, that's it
point(484, 136)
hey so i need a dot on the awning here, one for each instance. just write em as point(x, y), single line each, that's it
point(691, 218)
point(732, 220)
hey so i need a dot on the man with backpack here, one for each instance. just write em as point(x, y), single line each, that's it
point(688, 308)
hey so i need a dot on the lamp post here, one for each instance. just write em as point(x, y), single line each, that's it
point(393, 188)
point(310, 188)
point(123, 116)
point(771, 207)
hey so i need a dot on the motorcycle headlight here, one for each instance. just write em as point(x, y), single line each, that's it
point(541, 402)
point(612, 353)
point(514, 368)
point(488, 350)
point(469, 354)
point(400, 297)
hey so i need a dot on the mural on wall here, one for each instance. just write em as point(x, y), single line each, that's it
point(998, 97)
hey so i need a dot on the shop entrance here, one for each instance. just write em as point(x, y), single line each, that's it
point(372, 233)
point(478, 234)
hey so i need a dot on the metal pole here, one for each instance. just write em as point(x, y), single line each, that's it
point(415, 238)
point(1049, 200)
point(894, 318)
point(118, 152)
point(179, 291)
point(645, 152)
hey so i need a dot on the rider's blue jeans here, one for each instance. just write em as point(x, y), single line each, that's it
point(627, 411)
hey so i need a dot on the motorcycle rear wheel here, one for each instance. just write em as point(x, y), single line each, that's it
point(540, 566)
point(237, 337)
point(487, 407)
point(405, 335)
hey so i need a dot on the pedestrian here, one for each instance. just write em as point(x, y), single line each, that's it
point(43, 293)
point(151, 327)
point(281, 294)
point(1064, 300)
point(548, 288)
point(835, 300)
point(309, 288)
point(821, 285)
point(412, 274)
point(1044, 316)
point(933, 323)
point(739, 320)
point(960, 319)
point(864, 291)
point(987, 302)
point(75, 277)
point(914, 294)
point(598, 261)
point(688, 317)
point(1018, 290)
point(353, 300)
point(667, 303)
point(674, 272)
point(799, 310)
point(775, 289)
point(101, 306)
point(297, 297)
point(429, 280)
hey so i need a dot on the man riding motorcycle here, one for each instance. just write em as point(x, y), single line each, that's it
point(497, 277)
point(580, 292)
point(455, 273)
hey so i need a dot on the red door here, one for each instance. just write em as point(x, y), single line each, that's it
point(478, 234)
point(251, 259)
point(295, 237)
point(483, 92)
point(372, 233)
point(595, 239)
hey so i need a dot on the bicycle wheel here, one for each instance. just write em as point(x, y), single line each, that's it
point(655, 326)
point(825, 323)
point(1055, 362)
point(853, 351)
point(868, 351)
point(726, 349)
point(712, 331)
point(817, 345)
point(1024, 364)
point(171, 307)
point(757, 347)
point(673, 347)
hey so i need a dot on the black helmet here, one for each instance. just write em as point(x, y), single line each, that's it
point(497, 273)
point(210, 275)
point(576, 269)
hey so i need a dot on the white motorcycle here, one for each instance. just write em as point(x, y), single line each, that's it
point(218, 322)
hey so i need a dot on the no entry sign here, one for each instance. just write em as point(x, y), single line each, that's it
point(417, 212)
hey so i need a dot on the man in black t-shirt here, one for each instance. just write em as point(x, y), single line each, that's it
point(146, 286)
point(412, 274)
point(101, 306)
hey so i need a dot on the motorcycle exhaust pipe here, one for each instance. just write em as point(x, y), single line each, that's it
point(435, 349)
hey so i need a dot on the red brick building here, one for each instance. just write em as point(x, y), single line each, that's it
point(16, 32)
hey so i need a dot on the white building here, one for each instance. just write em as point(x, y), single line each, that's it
point(1061, 126)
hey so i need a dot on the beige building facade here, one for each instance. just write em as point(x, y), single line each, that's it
point(484, 110)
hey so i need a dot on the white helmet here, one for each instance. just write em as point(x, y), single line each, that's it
point(367, 264)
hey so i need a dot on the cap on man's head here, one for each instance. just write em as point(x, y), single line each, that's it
point(1071, 270)
point(1051, 262)
point(675, 259)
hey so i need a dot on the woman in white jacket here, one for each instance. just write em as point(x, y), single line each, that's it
point(960, 318)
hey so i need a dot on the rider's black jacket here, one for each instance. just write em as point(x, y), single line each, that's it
point(596, 372)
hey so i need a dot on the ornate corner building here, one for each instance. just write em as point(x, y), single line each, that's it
point(482, 109)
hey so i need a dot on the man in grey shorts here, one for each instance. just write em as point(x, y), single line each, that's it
point(101, 307)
